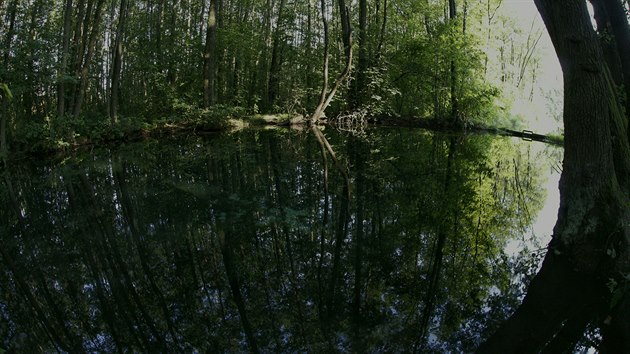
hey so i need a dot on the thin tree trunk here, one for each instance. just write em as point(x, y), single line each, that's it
point(359, 158)
point(326, 96)
point(359, 83)
point(95, 31)
point(130, 217)
point(235, 287)
point(276, 58)
point(452, 12)
point(435, 267)
point(1, 17)
point(346, 28)
point(65, 52)
point(158, 35)
point(3, 127)
point(5, 62)
point(79, 41)
point(381, 40)
point(117, 60)
point(309, 50)
point(111, 252)
point(209, 56)
point(172, 73)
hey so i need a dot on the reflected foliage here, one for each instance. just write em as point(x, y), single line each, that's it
point(254, 242)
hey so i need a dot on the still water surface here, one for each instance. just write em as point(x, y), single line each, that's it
point(257, 241)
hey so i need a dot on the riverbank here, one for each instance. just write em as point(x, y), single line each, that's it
point(52, 139)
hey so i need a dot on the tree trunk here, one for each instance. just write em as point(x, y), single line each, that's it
point(5, 62)
point(608, 46)
point(84, 72)
point(79, 40)
point(327, 96)
point(159, 55)
point(571, 288)
point(65, 52)
point(344, 15)
point(117, 60)
point(172, 71)
point(621, 31)
point(235, 287)
point(209, 56)
point(276, 59)
point(452, 14)
point(3, 127)
point(359, 83)
point(381, 40)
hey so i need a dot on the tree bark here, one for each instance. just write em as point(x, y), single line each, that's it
point(621, 31)
point(209, 56)
point(85, 63)
point(359, 83)
point(346, 28)
point(276, 58)
point(5, 62)
point(327, 96)
point(452, 14)
point(235, 287)
point(593, 218)
point(172, 74)
point(65, 52)
point(78, 48)
point(117, 60)
point(381, 40)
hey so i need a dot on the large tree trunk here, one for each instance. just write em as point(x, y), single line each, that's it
point(591, 238)
point(621, 31)
point(614, 31)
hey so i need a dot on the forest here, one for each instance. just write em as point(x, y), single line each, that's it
point(337, 238)
point(89, 71)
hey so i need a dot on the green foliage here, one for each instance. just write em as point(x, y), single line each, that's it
point(406, 72)
point(380, 93)
point(5, 90)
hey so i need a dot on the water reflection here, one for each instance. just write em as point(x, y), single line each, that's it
point(256, 241)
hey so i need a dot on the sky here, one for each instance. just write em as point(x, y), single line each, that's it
point(537, 112)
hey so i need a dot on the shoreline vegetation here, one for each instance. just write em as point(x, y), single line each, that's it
point(225, 119)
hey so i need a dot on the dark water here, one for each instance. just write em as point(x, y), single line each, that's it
point(254, 242)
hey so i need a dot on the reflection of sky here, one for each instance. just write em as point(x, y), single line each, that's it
point(543, 226)
point(539, 234)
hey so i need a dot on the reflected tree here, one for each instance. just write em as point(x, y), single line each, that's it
point(251, 242)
